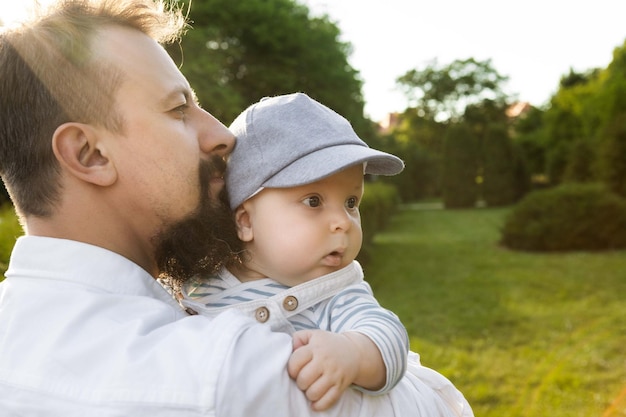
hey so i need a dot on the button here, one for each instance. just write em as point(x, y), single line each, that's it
point(262, 314)
point(290, 303)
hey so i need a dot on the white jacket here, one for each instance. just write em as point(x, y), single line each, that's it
point(86, 332)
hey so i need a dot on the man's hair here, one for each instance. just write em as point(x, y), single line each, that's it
point(50, 75)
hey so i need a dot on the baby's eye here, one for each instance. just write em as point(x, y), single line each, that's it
point(312, 201)
point(351, 202)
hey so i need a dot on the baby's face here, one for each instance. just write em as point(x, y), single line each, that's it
point(301, 233)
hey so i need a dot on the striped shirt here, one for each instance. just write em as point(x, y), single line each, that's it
point(338, 302)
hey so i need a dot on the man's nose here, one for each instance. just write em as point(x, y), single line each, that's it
point(215, 138)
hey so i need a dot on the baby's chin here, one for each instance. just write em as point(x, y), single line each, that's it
point(301, 278)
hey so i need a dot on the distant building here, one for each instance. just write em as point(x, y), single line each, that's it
point(390, 122)
point(518, 109)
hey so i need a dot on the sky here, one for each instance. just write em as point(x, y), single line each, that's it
point(533, 42)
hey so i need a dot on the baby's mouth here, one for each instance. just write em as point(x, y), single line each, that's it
point(334, 258)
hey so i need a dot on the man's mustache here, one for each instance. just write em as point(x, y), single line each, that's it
point(214, 167)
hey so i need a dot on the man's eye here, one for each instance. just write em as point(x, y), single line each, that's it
point(351, 202)
point(181, 110)
point(312, 201)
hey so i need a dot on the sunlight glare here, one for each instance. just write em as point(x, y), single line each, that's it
point(13, 11)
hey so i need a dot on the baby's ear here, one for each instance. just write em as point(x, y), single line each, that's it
point(244, 225)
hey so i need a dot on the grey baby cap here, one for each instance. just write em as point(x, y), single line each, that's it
point(292, 140)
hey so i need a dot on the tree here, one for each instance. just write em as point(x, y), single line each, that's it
point(419, 142)
point(463, 91)
point(612, 131)
point(572, 116)
point(613, 156)
point(443, 92)
point(610, 93)
point(482, 115)
point(420, 178)
point(503, 167)
point(529, 134)
point(459, 174)
point(240, 51)
point(499, 167)
point(580, 161)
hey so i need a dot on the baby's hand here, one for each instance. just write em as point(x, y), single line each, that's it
point(325, 364)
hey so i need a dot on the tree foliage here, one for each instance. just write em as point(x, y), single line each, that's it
point(455, 105)
point(611, 135)
point(420, 178)
point(529, 135)
point(571, 120)
point(459, 173)
point(579, 134)
point(578, 137)
point(499, 186)
point(579, 162)
point(419, 142)
point(240, 51)
point(612, 163)
point(443, 92)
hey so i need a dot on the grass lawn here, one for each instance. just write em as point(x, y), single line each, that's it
point(520, 334)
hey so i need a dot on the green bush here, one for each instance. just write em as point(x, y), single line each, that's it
point(612, 163)
point(498, 167)
point(380, 201)
point(568, 217)
point(458, 182)
point(10, 229)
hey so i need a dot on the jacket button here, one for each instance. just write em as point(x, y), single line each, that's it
point(290, 303)
point(262, 314)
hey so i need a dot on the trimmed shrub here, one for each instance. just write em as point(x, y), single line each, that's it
point(499, 167)
point(579, 166)
point(460, 168)
point(612, 162)
point(521, 174)
point(568, 217)
point(380, 201)
point(420, 178)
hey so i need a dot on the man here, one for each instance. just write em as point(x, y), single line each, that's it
point(114, 171)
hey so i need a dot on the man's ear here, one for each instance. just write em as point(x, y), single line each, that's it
point(78, 148)
point(244, 224)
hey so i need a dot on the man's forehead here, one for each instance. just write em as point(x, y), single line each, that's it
point(144, 63)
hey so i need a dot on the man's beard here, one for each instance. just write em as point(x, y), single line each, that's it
point(202, 242)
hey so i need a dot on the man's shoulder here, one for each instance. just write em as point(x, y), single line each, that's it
point(147, 354)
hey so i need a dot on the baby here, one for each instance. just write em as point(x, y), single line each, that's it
point(295, 181)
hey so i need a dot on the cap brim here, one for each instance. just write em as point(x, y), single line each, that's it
point(328, 161)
